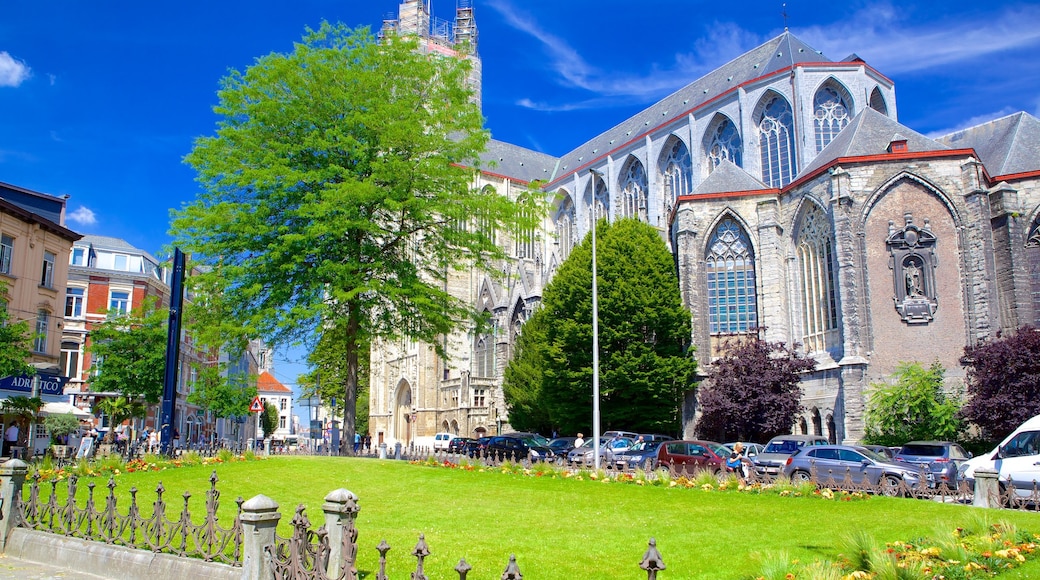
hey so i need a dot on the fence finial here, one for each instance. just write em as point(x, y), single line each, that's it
point(652, 561)
point(512, 570)
point(463, 568)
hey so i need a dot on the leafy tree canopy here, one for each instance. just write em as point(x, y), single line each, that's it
point(1003, 381)
point(15, 343)
point(914, 408)
point(334, 190)
point(120, 409)
point(60, 425)
point(269, 419)
point(129, 353)
point(754, 392)
point(644, 336)
point(225, 394)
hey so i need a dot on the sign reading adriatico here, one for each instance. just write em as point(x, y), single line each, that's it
point(48, 384)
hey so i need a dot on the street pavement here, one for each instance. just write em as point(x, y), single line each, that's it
point(15, 569)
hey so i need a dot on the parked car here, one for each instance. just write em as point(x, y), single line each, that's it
point(693, 454)
point(510, 447)
point(750, 449)
point(608, 448)
point(941, 460)
point(532, 439)
point(771, 460)
point(1016, 458)
point(458, 444)
point(477, 447)
point(562, 445)
point(626, 434)
point(833, 462)
point(441, 440)
point(641, 455)
point(886, 452)
point(655, 437)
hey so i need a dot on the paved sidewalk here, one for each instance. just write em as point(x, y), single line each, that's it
point(15, 569)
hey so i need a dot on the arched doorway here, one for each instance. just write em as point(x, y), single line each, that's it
point(403, 413)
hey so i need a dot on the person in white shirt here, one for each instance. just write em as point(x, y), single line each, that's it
point(579, 441)
point(10, 438)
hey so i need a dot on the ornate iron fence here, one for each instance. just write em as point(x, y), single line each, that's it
point(136, 528)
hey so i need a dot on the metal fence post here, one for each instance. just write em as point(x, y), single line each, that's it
point(259, 519)
point(12, 476)
point(987, 489)
point(341, 509)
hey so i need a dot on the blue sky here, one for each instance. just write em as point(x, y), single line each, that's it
point(101, 100)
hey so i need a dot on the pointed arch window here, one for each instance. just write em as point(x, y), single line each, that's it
point(730, 266)
point(1033, 263)
point(598, 205)
point(524, 237)
point(776, 141)
point(484, 356)
point(831, 114)
point(816, 269)
point(484, 224)
point(877, 101)
point(677, 169)
point(565, 226)
point(724, 144)
point(633, 192)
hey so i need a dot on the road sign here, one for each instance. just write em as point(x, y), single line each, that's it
point(256, 406)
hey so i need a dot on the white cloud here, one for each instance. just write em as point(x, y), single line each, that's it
point(83, 216)
point(12, 71)
point(893, 43)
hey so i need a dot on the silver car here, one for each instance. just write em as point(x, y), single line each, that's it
point(608, 448)
point(831, 463)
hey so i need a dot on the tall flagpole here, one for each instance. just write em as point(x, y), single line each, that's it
point(593, 174)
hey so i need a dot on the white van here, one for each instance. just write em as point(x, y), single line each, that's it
point(1017, 457)
point(441, 440)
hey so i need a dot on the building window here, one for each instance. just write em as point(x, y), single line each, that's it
point(831, 115)
point(633, 192)
point(118, 303)
point(565, 226)
point(47, 276)
point(877, 101)
point(79, 257)
point(74, 302)
point(678, 174)
point(42, 322)
point(281, 422)
point(776, 142)
point(69, 360)
point(120, 262)
point(525, 237)
point(723, 144)
point(598, 205)
point(281, 404)
point(479, 398)
point(730, 265)
point(484, 353)
point(6, 253)
point(816, 269)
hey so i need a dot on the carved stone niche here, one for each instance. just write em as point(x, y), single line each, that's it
point(913, 263)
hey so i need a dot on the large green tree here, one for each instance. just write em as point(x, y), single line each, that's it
point(15, 342)
point(913, 407)
point(336, 192)
point(646, 364)
point(129, 353)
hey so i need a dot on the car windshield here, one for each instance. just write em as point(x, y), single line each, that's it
point(924, 450)
point(873, 454)
point(721, 450)
point(789, 446)
point(645, 446)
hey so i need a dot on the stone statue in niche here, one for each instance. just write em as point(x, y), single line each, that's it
point(913, 263)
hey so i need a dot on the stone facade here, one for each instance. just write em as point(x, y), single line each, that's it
point(793, 201)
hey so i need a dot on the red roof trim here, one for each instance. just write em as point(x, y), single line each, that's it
point(1015, 176)
point(909, 155)
point(729, 194)
point(725, 93)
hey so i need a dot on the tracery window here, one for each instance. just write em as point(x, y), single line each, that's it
point(776, 142)
point(565, 226)
point(816, 269)
point(484, 225)
point(730, 265)
point(1033, 264)
point(484, 356)
point(633, 192)
point(830, 115)
point(599, 204)
point(724, 144)
point(525, 236)
point(677, 169)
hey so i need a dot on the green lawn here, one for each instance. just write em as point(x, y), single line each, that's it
point(560, 528)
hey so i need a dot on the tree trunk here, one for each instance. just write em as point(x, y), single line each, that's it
point(350, 389)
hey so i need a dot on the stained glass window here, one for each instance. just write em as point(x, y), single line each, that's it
point(633, 192)
point(815, 262)
point(730, 266)
point(831, 115)
point(725, 144)
point(678, 173)
point(776, 128)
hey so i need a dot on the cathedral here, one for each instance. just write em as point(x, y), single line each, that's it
point(792, 199)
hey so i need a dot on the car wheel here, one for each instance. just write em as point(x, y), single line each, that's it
point(890, 486)
point(800, 476)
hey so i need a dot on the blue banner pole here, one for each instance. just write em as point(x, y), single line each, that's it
point(173, 352)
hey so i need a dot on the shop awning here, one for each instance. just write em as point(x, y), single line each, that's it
point(63, 408)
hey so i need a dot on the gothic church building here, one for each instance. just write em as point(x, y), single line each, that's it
point(792, 199)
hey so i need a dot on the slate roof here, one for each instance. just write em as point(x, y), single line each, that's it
point(727, 178)
point(1005, 146)
point(115, 245)
point(518, 162)
point(266, 383)
point(870, 133)
point(779, 53)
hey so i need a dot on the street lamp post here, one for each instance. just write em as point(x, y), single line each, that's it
point(593, 174)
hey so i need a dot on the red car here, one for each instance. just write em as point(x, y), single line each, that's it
point(693, 454)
